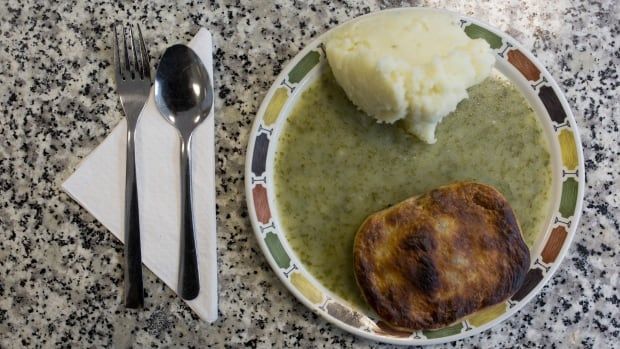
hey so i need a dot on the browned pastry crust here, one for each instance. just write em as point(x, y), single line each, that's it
point(430, 260)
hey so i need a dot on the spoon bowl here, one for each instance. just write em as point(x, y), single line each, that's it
point(183, 91)
point(184, 96)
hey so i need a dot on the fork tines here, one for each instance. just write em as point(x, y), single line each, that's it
point(134, 64)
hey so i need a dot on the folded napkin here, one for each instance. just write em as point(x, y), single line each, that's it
point(98, 185)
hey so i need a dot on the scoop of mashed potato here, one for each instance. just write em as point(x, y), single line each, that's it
point(414, 67)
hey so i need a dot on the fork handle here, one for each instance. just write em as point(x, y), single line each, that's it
point(189, 284)
point(134, 293)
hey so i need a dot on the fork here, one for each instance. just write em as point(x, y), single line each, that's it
point(133, 84)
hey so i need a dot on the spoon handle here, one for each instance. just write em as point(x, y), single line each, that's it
point(189, 284)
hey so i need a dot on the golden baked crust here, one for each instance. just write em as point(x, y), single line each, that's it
point(430, 260)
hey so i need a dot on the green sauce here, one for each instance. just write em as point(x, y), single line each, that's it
point(335, 166)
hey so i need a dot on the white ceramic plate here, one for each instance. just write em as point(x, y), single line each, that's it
point(543, 94)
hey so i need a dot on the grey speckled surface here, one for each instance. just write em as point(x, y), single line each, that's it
point(60, 270)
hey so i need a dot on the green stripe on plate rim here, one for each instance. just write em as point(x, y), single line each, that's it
point(302, 67)
point(475, 31)
point(568, 202)
point(277, 250)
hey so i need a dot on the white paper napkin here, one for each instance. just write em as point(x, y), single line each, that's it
point(99, 181)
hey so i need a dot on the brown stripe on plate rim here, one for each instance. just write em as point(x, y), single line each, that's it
point(524, 65)
point(263, 214)
point(554, 244)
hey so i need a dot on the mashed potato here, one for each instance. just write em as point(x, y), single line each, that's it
point(414, 67)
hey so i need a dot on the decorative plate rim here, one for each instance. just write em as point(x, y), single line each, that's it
point(570, 229)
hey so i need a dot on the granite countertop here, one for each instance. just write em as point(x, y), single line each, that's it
point(61, 271)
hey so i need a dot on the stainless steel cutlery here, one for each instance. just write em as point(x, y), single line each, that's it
point(184, 96)
point(133, 83)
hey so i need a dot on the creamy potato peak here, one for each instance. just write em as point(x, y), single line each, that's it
point(414, 67)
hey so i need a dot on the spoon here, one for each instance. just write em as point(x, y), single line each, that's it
point(184, 96)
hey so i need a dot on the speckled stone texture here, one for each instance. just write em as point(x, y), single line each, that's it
point(61, 271)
